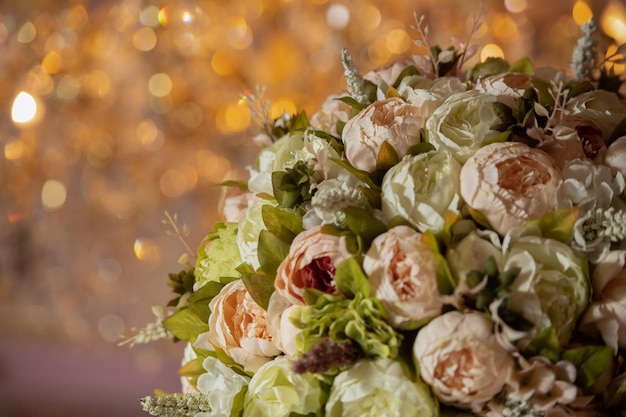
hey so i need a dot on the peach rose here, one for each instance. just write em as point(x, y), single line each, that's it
point(402, 270)
point(390, 120)
point(507, 87)
point(607, 314)
point(311, 263)
point(238, 326)
point(510, 184)
point(279, 325)
point(461, 360)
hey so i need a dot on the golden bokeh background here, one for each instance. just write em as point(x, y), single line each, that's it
point(112, 112)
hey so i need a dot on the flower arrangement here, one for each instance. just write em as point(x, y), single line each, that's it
point(437, 241)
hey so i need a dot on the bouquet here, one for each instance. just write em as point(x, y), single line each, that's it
point(436, 241)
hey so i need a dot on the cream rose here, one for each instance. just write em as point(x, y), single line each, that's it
point(391, 120)
point(238, 326)
point(510, 184)
point(422, 189)
point(311, 263)
point(332, 111)
point(280, 327)
point(607, 313)
point(462, 124)
point(402, 270)
point(428, 94)
point(461, 360)
point(507, 87)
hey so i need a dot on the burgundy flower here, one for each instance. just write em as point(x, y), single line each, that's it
point(319, 274)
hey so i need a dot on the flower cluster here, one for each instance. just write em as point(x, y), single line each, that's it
point(436, 241)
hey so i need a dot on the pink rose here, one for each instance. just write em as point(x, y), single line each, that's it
point(461, 360)
point(238, 326)
point(402, 270)
point(311, 263)
point(236, 204)
point(510, 184)
point(390, 120)
point(615, 157)
point(607, 314)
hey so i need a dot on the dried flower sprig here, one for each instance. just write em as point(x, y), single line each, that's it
point(584, 54)
point(356, 83)
point(176, 405)
point(181, 232)
point(259, 108)
point(327, 355)
point(150, 332)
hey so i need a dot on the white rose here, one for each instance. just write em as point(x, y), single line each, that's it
point(462, 124)
point(615, 157)
point(332, 111)
point(220, 384)
point(428, 94)
point(422, 189)
point(248, 230)
point(372, 388)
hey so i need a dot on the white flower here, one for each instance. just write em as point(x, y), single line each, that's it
point(601, 107)
point(422, 189)
point(374, 388)
point(221, 384)
point(552, 287)
point(330, 200)
point(462, 124)
point(332, 111)
point(284, 153)
point(428, 94)
point(277, 391)
point(248, 231)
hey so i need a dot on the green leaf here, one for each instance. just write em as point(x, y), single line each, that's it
point(558, 224)
point(407, 72)
point(545, 344)
point(363, 223)
point(185, 325)
point(271, 251)
point(479, 217)
point(238, 402)
point(260, 287)
point(615, 394)
point(445, 281)
point(350, 279)
point(422, 147)
point(352, 103)
point(491, 66)
point(284, 223)
point(590, 362)
point(192, 369)
point(504, 113)
point(580, 87)
point(362, 176)
point(199, 300)
point(523, 65)
point(387, 157)
point(242, 185)
point(300, 122)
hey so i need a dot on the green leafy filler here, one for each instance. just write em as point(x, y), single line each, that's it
point(352, 316)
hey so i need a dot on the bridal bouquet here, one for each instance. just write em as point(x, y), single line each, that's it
point(437, 241)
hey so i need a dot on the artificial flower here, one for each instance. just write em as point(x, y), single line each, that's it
point(379, 387)
point(402, 271)
point(391, 120)
point(238, 325)
point(510, 184)
point(421, 189)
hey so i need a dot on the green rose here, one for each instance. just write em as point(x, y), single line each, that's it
point(276, 391)
point(379, 388)
point(218, 255)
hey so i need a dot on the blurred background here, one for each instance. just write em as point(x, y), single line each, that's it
point(113, 111)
